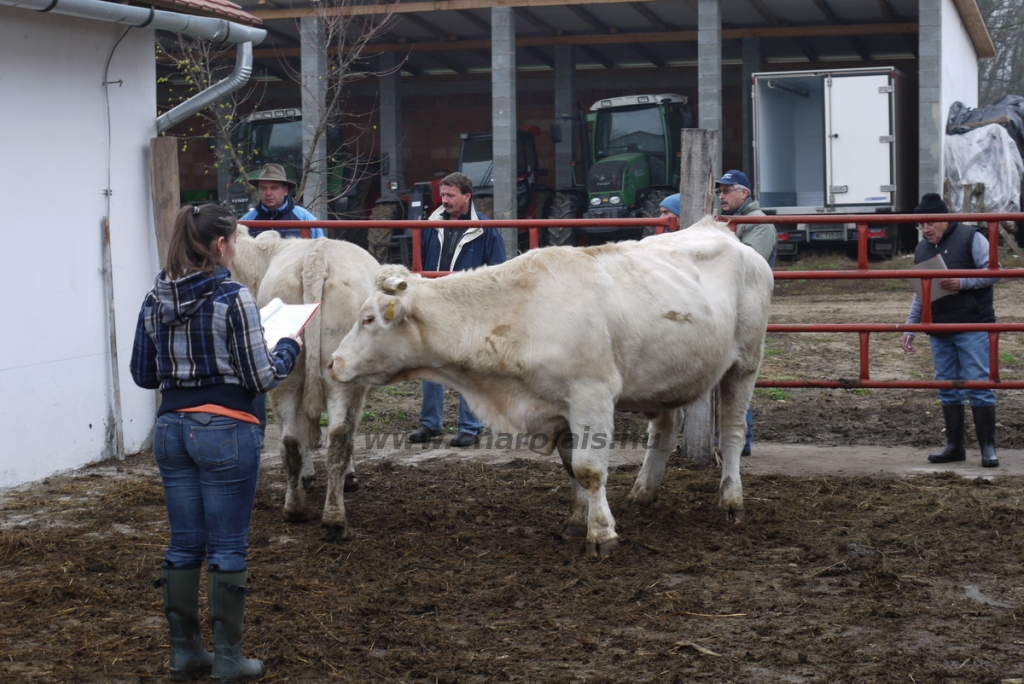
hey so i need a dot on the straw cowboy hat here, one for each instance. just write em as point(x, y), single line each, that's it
point(272, 172)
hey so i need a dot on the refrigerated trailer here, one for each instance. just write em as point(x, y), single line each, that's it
point(834, 142)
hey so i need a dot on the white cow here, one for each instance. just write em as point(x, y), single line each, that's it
point(557, 339)
point(340, 275)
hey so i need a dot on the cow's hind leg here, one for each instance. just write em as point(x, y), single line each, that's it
point(662, 431)
point(736, 389)
point(295, 454)
point(575, 525)
point(344, 408)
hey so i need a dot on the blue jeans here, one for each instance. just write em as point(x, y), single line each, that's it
point(432, 413)
point(962, 356)
point(750, 426)
point(209, 472)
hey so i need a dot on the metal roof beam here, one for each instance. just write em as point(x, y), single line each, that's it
point(626, 38)
point(417, 7)
point(656, 21)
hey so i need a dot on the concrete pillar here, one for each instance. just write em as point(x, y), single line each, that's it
point(751, 65)
point(931, 118)
point(709, 70)
point(503, 116)
point(565, 113)
point(314, 105)
point(390, 122)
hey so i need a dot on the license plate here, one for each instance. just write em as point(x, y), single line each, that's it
point(829, 235)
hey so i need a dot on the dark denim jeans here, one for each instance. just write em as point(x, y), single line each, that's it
point(209, 465)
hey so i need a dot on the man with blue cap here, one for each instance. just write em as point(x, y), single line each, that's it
point(737, 199)
point(670, 206)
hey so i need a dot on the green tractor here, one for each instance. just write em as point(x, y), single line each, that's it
point(631, 166)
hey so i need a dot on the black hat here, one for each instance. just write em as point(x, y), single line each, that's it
point(931, 203)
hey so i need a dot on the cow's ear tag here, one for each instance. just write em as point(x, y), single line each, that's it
point(389, 313)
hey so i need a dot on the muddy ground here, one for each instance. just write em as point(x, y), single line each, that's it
point(456, 572)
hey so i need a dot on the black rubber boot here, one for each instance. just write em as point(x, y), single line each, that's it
point(227, 606)
point(954, 450)
point(985, 426)
point(181, 607)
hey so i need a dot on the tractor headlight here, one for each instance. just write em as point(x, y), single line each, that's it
point(595, 201)
point(615, 199)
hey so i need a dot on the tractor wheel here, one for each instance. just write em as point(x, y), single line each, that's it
point(380, 238)
point(542, 203)
point(652, 209)
point(484, 205)
point(564, 206)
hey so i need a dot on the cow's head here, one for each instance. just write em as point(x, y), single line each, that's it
point(382, 344)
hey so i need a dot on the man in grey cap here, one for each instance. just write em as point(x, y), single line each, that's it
point(276, 203)
point(736, 198)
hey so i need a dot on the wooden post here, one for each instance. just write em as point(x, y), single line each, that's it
point(163, 163)
point(115, 374)
point(699, 154)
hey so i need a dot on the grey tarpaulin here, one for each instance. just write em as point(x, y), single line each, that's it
point(984, 155)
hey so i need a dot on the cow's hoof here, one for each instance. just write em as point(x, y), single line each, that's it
point(574, 531)
point(644, 498)
point(295, 516)
point(336, 533)
point(602, 549)
point(307, 483)
point(351, 483)
point(736, 515)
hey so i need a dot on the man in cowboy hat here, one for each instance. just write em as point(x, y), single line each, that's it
point(276, 203)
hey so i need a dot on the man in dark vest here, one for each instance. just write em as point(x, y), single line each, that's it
point(961, 355)
point(276, 203)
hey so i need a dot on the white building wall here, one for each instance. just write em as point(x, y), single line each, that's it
point(56, 406)
point(959, 61)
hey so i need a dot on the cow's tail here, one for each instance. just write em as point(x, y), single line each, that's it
point(314, 273)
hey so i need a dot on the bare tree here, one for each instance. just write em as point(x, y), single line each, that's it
point(200, 64)
point(340, 40)
point(343, 166)
point(1004, 74)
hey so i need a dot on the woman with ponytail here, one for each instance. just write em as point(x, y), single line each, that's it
point(199, 341)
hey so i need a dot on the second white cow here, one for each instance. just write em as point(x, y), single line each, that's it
point(554, 341)
point(341, 275)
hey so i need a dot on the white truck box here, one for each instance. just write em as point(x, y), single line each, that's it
point(833, 142)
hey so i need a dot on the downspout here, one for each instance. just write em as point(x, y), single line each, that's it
point(216, 30)
point(235, 80)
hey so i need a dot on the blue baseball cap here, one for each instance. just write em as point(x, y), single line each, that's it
point(734, 177)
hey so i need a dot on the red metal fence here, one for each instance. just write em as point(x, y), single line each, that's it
point(863, 330)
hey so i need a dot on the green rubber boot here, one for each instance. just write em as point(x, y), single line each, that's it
point(181, 607)
point(227, 592)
